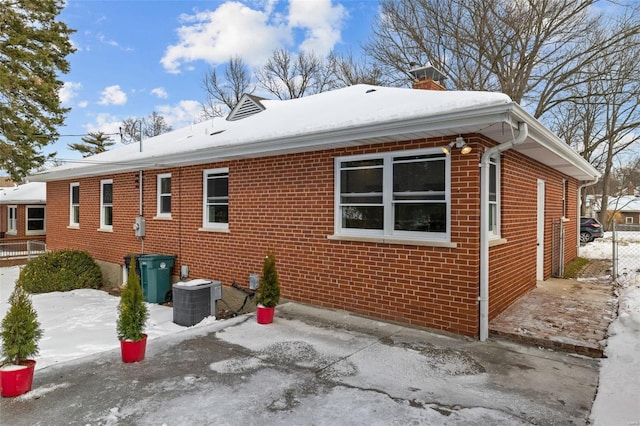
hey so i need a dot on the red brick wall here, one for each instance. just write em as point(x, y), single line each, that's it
point(287, 203)
point(513, 265)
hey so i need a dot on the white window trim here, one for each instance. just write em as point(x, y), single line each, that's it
point(73, 224)
point(104, 227)
point(628, 220)
point(159, 194)
point(388, 234)
point(496, 233)
point(42, 231)
point(206, 225)
point(12, 230)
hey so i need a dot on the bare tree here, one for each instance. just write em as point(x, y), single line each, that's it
point(535, 51)
point(602, 119)
point(155, 125)
point(348, 71)
point(289, 76)
point(133, 128)
point(236, 82)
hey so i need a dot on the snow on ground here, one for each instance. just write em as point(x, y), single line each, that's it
point(83, 322)
point(616, 402)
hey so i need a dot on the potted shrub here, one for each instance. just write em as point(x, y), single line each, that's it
point(268, 293)
point(20, 335)
point(132, 316)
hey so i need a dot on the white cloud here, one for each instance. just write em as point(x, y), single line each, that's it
point(160, 92)
point(106, 123)
point(182, 114)
point(321, 21)
point(83, 104)
point(113, 95)
point(69, 91)
point(233, 29)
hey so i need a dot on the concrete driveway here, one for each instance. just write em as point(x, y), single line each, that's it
point(313, 367)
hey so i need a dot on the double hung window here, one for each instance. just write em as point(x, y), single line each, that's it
point(35, 220)
point(216, 199)
point(106, 204)
point(74, 204)
point(494, 197)
point(398, 194)
point(164, 195)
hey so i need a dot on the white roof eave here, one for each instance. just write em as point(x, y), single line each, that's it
point(463, 121)
point(541, 144)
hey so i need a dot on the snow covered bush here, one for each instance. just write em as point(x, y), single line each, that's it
point(61, 270)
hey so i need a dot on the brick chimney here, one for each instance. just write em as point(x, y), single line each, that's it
point(427, 78)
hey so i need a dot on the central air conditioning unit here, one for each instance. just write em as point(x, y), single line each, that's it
point(195, 300)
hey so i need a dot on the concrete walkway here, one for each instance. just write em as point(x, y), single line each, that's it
point(566, 315)
point(313, 367)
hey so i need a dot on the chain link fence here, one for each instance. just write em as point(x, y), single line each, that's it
point(625, 257)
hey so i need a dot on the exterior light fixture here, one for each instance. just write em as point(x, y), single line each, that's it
point(458, 143)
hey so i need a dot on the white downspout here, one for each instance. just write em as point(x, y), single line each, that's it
point(484, 225)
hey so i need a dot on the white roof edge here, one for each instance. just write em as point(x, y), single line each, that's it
point(473, 118)
point(546, 138)
point(299, 143)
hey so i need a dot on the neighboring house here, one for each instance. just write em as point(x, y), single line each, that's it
point(6, 181)
point(353, 191)
point(22, 212)
point(624, 209)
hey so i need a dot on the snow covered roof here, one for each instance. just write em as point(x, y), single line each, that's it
point(625, 203)
point(28, 193)
point(352, 116)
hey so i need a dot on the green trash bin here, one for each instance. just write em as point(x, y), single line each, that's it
point(155, 272)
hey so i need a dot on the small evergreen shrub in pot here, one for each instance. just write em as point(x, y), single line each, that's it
point(20, 332)
point(268, 293)
point(60, 270)
point(132, 316)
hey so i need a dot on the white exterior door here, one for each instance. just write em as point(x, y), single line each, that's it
point(540, 237)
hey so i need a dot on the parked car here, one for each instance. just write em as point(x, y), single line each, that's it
point(590, 229)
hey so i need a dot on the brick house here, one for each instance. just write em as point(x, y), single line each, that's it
point(355, 193)
point(624, 209)
point(22, 212)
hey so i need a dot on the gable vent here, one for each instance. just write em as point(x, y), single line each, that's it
point(246, 107)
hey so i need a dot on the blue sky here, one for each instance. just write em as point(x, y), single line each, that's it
point(138, 56)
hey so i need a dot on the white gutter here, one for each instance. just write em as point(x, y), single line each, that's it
point(484, 224)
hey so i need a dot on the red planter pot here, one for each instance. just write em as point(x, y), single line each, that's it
point(133, 351)
point(264, 315)
point(16, 381)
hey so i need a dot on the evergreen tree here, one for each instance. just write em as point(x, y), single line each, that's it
point(268, 293)
point(94, 143)
point(33, 50)
point(132, 310)
point(20, 328)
